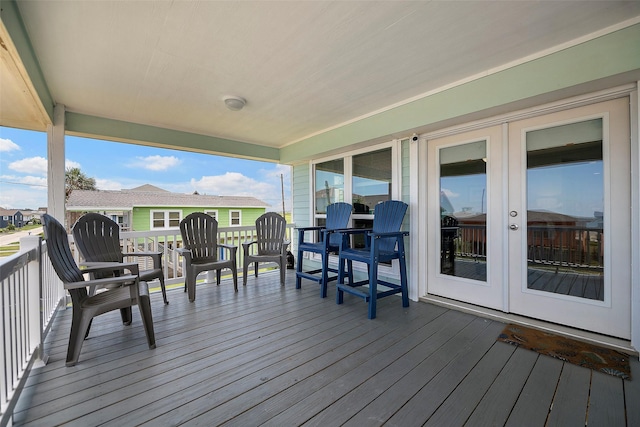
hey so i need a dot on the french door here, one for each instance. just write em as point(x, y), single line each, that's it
point(532, 217)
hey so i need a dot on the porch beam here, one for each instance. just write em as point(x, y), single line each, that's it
point(116, 130)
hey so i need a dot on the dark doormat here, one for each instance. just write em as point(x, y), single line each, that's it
point(569, 350)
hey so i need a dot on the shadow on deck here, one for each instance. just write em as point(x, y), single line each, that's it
point(272, 355)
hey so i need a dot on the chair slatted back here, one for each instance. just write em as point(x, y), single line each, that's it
point(270, 233)
point(98, 238)
point(337, 217)
point(200, 235)
point(388, 217)
point(60, 252)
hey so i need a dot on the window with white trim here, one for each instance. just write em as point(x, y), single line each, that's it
point(235, 218)
point(213, 214)
point(362, 178)
point(165, 219)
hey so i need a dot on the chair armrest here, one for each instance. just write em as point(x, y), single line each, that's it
point(106, 281)
point(186, 253)
point(390, 234)
point(246, 245)
point(308, 228)
point(155, 256)
point(303, 230)
point(233, 250)
point(224, 245)
point(101, 267)
point(351, 230)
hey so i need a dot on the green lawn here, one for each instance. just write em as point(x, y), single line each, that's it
point(14, 247)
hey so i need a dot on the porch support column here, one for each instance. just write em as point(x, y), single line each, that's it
point(56, 170)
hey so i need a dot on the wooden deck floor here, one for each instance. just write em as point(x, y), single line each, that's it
point(272, 355)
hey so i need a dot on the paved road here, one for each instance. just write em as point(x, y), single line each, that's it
point(6, 239)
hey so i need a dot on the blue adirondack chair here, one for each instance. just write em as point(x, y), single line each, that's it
point(383, 243)
point(329, 242)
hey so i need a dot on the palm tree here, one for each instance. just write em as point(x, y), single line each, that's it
point(75, 179)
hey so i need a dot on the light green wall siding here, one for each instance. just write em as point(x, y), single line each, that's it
point(301, 199)
point(142, 215)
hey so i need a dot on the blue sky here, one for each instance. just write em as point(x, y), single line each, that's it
point(23, 170)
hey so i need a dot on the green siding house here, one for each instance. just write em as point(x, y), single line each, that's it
point(148, 207)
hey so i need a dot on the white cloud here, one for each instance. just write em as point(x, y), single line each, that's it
point(231, 184)
point(106, 184)
point(21, 196)
point(268, 188)
point(450, 194)
point(155, 163)
point(277, 170)
point(38, 165)
point(70, 164)
point(30, 165)
point(35, 182)
point(8, 145)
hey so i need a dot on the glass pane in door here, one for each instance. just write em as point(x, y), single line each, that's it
point(565, 210)
point(463, 210)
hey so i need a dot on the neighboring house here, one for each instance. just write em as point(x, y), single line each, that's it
point(31, 216)
point(11, 216)
point(151, 208)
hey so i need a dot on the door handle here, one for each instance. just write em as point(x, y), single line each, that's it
point(513, 226)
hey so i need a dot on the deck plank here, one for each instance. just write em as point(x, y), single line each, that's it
point(606, 401)
point(496, 404)
point(572, 397)
point(423, 404)
point(473, 387)
point(534, 402)
point(415, 367)
point(632, 394)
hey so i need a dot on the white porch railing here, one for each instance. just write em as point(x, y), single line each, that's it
point(31, 293)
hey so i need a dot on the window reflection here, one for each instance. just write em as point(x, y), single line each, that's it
point(463, 232)
point(565, 210)
point(371, 180)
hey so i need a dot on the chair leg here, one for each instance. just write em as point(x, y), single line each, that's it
point(373, 290)
point(283, 269)
point(403, 281)
point(218, 276)
point(339, 292)
point(235, 277)
point(299, 270)
point(125, 314)
point(245, 271)
point(255, 269)
point(144, 304)
point(80, 324)
point(164, 289)
point(190, 283)
point(324, 280)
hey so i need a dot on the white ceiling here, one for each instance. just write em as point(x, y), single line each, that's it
point(303, 66)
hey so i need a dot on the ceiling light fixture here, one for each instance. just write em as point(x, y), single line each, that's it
point(234, 103)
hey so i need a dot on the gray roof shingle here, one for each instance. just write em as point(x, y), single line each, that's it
point(128, 199)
